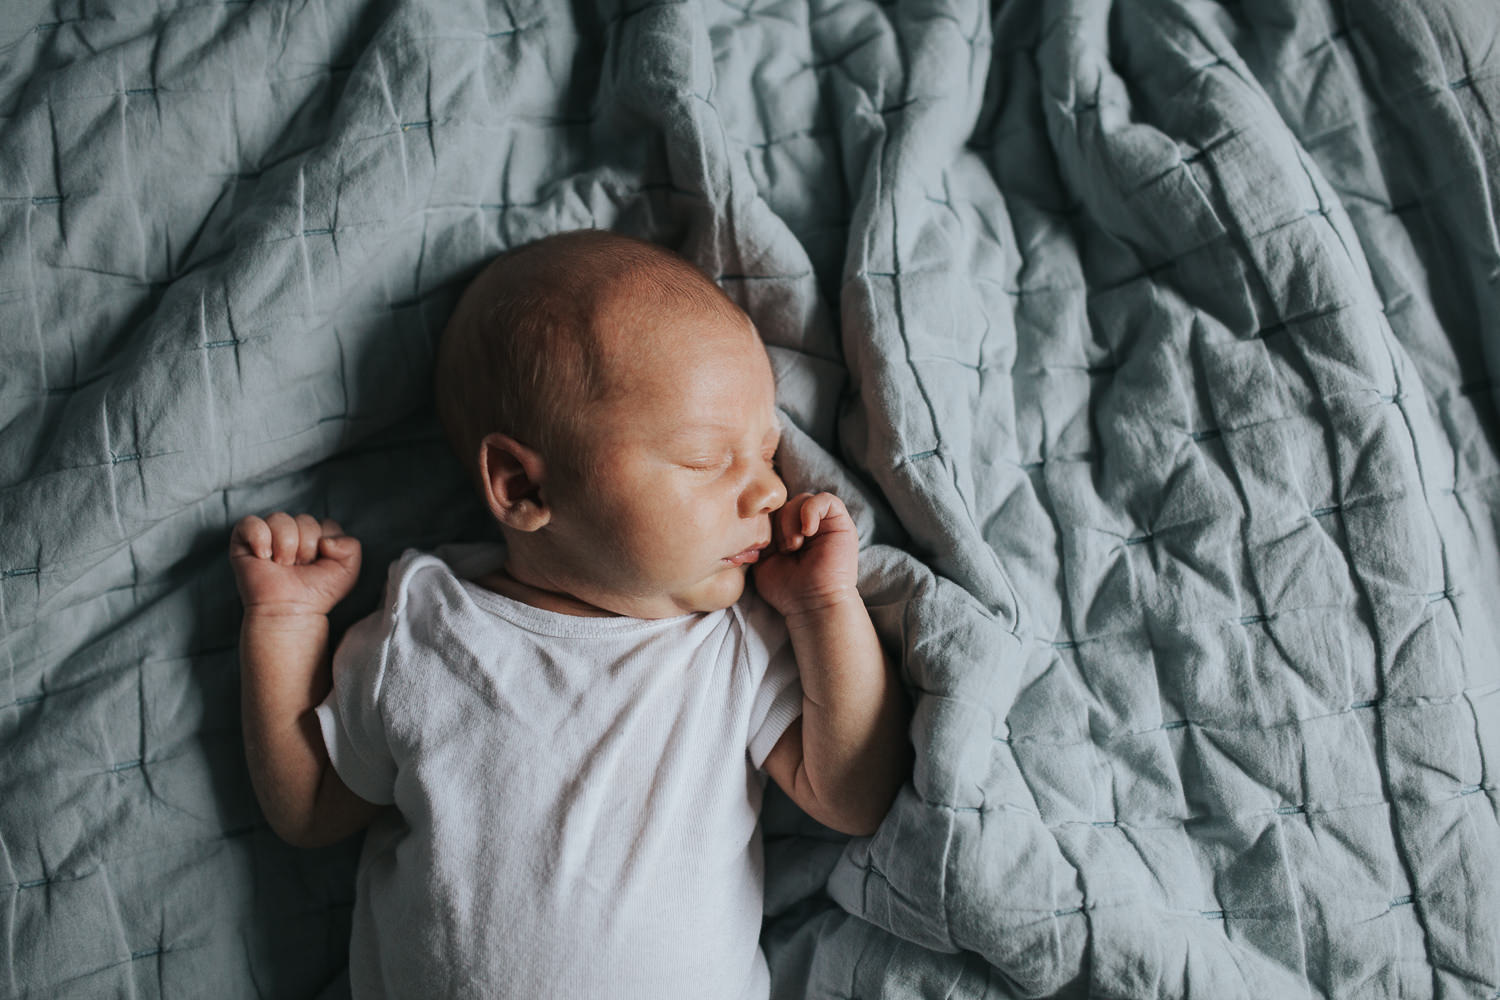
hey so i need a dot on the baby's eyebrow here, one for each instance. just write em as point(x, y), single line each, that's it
point(696, 432)
point(717, 428)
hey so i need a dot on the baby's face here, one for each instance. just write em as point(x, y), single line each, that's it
point(676, 502)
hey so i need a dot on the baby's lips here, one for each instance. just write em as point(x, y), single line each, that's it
point(749, 555)
point(746, 557)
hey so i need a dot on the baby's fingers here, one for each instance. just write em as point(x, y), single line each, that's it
point(251, 535)
point(786, 524)
point(334, 544)
point(308, 533)
point(285, 538)
point(342, 549)
point(819, 509)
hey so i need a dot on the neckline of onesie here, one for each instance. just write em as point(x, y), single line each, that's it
point(557, 623)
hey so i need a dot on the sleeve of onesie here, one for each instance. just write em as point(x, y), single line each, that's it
point(778, 689)
point(350, 717)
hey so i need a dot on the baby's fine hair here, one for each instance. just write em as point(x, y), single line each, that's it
point(520, 354)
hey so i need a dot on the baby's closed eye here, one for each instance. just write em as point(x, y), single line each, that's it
point(707, 463)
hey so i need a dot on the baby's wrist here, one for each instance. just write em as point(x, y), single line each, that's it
point(819, 610)
point(284, 616)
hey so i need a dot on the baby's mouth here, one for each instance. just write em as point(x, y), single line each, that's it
point(750, 555)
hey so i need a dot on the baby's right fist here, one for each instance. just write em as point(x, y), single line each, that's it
point(287, 565)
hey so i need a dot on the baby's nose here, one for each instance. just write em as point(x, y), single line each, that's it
point(766, 493)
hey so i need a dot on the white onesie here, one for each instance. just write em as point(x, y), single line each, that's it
point(576, 799)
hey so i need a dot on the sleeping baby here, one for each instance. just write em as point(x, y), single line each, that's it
point(559, 744)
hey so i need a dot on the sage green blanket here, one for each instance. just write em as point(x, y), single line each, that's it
point(1150, 342)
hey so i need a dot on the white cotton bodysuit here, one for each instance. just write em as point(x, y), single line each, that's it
point(577, 799)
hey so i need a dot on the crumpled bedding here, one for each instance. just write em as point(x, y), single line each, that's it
point(1152, 345)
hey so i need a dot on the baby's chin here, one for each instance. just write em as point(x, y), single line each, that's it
point(717, 592)
point(728, 588)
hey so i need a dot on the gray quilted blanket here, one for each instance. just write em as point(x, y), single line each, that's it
point(1152, 343)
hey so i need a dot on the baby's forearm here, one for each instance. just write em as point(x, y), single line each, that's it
point(284, 676)
point(855, 753)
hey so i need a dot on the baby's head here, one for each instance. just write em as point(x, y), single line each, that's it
point(617, 411)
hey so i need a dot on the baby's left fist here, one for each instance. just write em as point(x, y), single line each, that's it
point(813, 561)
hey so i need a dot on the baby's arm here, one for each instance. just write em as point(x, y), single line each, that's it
point(291, 572)
point(844, 760)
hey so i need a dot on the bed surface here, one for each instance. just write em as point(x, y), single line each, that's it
point(1150, 344)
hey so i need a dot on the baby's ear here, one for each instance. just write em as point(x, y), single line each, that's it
point(512, 475)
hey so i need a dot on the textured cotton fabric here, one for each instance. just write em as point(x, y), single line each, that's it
point(576, 799)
